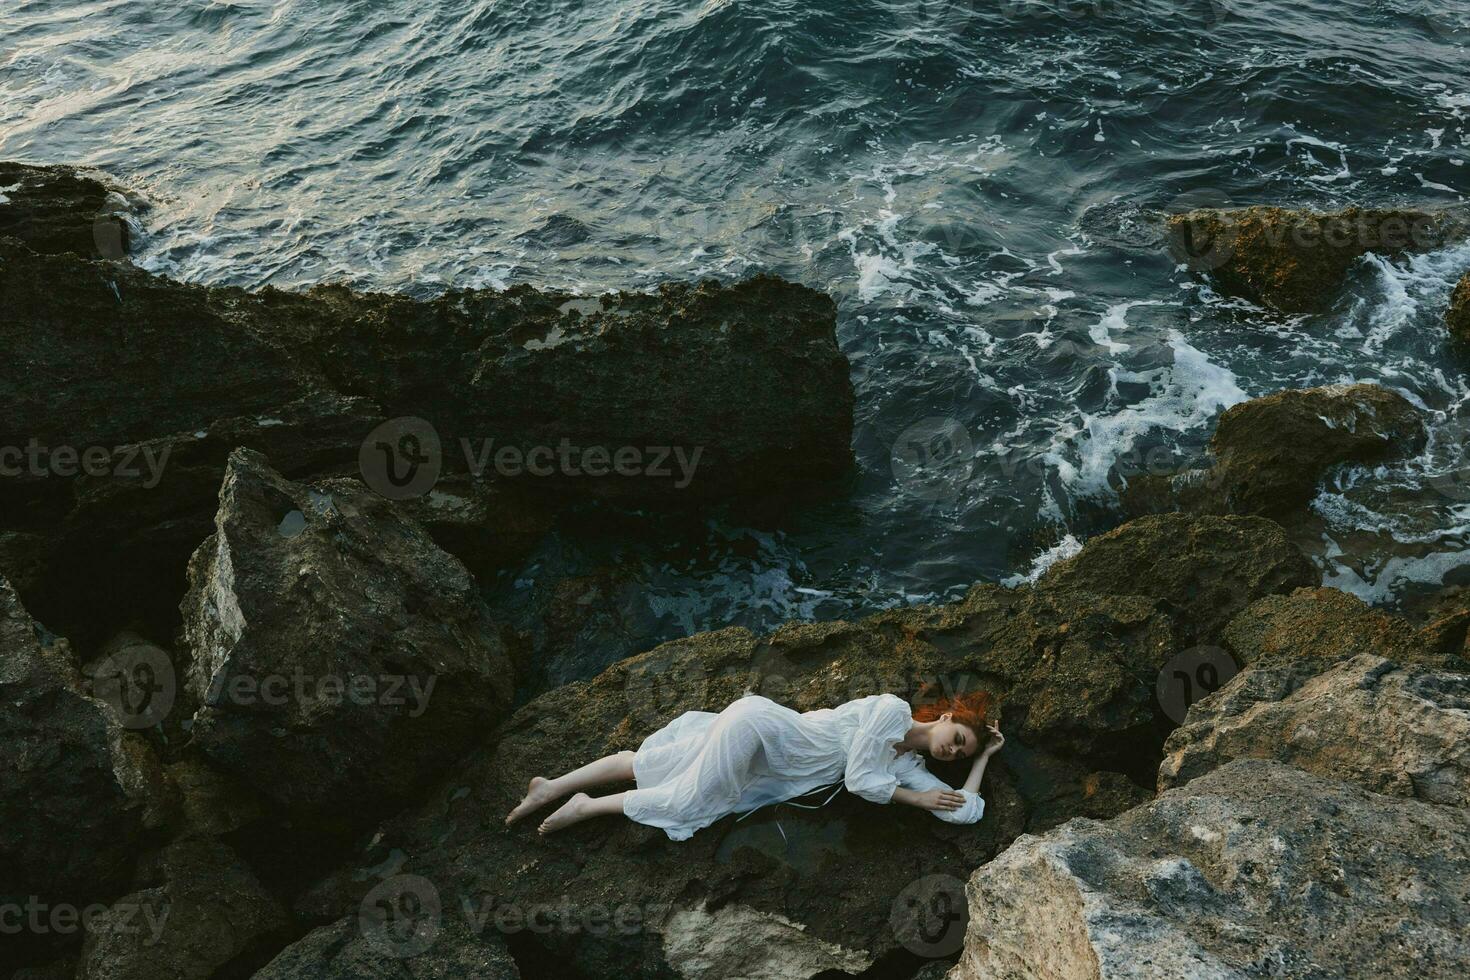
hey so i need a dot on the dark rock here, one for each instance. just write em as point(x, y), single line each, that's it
point(1458, 315)
point(440, 948)
point(58, 210)
point(1395, 730)
point(149, 383)
point(340, 657)
point(1207, 568)
point(1295, 261)
point(1256, 869)
point(77, 790)
point(1271, 453)
point(1076, 671)
point(207, 911)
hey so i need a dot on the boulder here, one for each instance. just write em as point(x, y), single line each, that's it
point(1271, 453)
point(125, 392)
point(1395, 730)
point(338, 656)
point(78, 791)
point(1256, 869)
point(1294, 260)
point(1207, 568)
point(1457, 317)
point(1076, 672)
point(207, 912)
point(439, 948)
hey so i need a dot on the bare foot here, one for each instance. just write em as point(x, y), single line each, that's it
point(570, 812)
point(538, 794)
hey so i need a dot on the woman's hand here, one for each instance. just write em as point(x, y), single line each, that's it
point(997, 740)
point(940, 799)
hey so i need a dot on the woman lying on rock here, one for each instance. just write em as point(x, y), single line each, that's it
point(703, 766)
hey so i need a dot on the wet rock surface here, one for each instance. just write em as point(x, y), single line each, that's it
point(133, 389)
point(337, 654)
point(58, 210)
point(1270, 454)
point(1256, 869)
point(1458, 315)
point(1295, 261)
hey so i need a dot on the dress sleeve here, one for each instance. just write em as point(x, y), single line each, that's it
point(884, 719)
point(913, 774)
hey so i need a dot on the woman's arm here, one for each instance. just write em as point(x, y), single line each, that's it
point(977, 768)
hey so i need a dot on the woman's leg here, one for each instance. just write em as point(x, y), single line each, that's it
point(609, 769)
point(582, 807)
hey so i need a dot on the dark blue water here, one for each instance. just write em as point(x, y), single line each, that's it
point(977, 184)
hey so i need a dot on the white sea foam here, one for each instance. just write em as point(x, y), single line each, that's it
point(1186, 395)
point(1060, 551)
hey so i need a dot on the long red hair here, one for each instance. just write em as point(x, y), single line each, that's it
point(971, 709)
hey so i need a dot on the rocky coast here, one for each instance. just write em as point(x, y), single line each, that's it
point(257, 720)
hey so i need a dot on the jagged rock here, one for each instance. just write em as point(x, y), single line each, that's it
point(1271, 453)
point(59, 209)
point(1458, 315)
point(1255, 870)
point(1207, 568)
point(1395, 730)
point(338, 655)
point(345, 951)
point(1076, 671)
point(207, 911)
point(1296, 260)
point(111, 367)
point(77, 790)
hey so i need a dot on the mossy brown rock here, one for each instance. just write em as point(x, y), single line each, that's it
point(1206, 568)
point(1293, 260)
point(1458, 315)
point(337, 655)
point(345, 950)
point(1271, 453)
point(125, 392)
point(1076, 671)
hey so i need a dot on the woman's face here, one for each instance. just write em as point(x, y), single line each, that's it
point(948, 740)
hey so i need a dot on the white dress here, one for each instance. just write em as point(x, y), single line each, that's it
point(703, 766)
